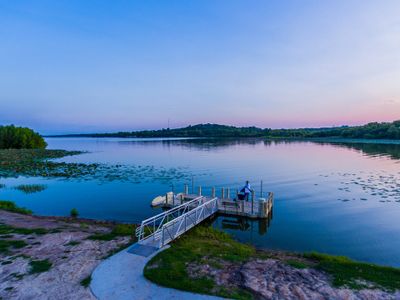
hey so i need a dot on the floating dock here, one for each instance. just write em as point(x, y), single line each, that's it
point(184, 211)
point(259, 208)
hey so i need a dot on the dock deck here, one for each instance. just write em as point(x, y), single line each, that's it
point(254, 209)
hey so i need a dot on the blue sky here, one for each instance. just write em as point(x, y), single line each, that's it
point(90, 66)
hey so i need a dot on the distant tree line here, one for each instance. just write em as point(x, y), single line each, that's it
point(201, 130)
point(369, 131)
point(12, 137)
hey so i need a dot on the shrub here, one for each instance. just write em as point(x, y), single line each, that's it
point(74, 213)
point(12, 137)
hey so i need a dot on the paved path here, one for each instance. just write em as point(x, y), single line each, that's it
point(121, 277)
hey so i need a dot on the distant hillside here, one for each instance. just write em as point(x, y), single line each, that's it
point(369, 131)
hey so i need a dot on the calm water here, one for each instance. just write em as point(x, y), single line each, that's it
point(336, 198)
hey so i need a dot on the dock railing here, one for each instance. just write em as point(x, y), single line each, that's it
point(183, 223)
point(150, 226)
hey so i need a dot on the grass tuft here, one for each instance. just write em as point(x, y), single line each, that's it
point(5, 245)
point(72, 243)
point(117, 231)
point(40, 266)
point(297, 264)
point(86, 281)
point(6, 229)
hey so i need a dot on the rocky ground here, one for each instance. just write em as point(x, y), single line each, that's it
point(274, 278)
point(63, 244)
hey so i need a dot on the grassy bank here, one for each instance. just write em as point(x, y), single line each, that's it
point(207, 246)
point(200, 245)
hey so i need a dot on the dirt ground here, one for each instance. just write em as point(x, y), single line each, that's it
point(65, 245)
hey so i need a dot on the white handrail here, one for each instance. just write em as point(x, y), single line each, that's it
point(151, 222)
point(175, 226)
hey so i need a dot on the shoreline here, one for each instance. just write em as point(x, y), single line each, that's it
point(75, 247)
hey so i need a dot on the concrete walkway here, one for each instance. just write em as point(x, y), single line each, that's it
point(121, 277)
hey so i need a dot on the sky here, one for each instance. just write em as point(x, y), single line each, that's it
point(102, 66)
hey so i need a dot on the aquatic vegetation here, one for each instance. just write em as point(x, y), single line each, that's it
point(31, 188)
point(11, 206)
point(347, 272)
point(378, 185)
point(38, 163)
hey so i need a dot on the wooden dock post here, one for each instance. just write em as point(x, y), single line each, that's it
point(213, 192)
point(222, 193)
point(228, 193)
point(186, 191)
point(199, 190)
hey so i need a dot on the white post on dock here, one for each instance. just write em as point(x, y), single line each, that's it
point(199, 190)
point(222, 193)
point(252, 202)
point(186, 189)
point(213, 192)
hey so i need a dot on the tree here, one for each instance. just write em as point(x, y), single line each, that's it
point(12, 137)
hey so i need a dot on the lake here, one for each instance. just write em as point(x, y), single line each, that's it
point(338, 198)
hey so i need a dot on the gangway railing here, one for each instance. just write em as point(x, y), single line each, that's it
point(173, 229)
point(149, 227)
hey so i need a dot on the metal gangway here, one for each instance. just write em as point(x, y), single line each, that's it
point(163, 228)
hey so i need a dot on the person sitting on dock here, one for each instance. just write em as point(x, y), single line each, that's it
point(246, 190)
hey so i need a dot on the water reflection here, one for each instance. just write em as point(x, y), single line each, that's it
point(242, 224)
point(370, 148)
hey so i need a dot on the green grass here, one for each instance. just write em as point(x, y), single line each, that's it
point(11, 206)
point(5, 245)
point(297, 264)
point(346, 272)
point(6, 229)
point(86, 281)
point(117, 231)
point(31, 188)
point(39, 266)
point(169, 267)
point(72, 243)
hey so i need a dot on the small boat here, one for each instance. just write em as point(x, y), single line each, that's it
point(160, 200)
